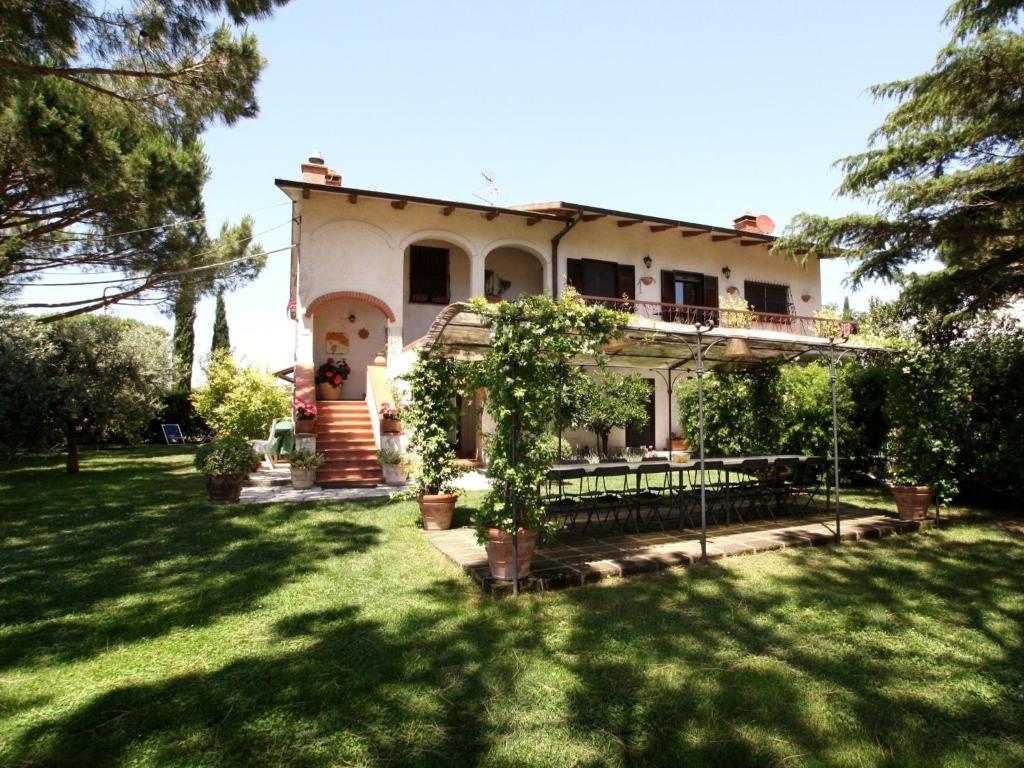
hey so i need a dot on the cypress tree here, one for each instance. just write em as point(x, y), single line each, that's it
point(847, 312)
point(184, 340)
point(221, 334)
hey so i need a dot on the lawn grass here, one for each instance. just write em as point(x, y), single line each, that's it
point(140, 626)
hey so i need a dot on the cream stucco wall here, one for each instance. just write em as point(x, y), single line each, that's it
point(362, 246)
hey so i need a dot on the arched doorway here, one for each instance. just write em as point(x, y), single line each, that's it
point(510, 271)
point(351, 327)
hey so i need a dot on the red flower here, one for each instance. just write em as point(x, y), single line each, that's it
point(337, 381)
point(330, 361)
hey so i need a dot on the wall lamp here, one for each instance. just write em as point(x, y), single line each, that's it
point(648, 261)
point(727, 272)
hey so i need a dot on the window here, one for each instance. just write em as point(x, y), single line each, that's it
point(592, 277)
point(765, 297)
point(690, 289)
point(428, 275)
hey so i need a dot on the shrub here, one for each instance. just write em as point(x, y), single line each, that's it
point(226, 456)
point(390, 456)
point(305, 460)
point(239, 402)
point(735, 312)
point(433, 417)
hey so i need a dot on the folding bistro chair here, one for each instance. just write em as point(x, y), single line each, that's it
point(811, 479)
point(600, 503)
point(786, 470)
point(654, 487)
point(562, 496)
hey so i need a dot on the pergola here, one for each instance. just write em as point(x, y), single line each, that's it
point(677, 350)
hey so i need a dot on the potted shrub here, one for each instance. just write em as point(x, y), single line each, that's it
point(304, 414)
point(534, 341)
point(304, 465)
point(390, 419)
point(925, 407)
point(330, 377)
point(392, 464)
point(735, 312)
point(226, 462)
point(433, 417)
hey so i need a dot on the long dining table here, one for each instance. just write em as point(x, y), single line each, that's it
point(678, 471)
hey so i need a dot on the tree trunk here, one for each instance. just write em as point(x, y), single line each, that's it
point(604, 443)
point(72, 437)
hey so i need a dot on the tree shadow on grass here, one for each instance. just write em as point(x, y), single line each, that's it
point(130, 552)
point(355, 692)
point(908, 657)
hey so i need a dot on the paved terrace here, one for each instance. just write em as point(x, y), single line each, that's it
point(576, 562)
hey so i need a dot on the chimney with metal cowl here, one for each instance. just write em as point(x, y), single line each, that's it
point(315, 171)
point(748, 222)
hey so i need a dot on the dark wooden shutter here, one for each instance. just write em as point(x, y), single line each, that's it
point(574, 273)
point(776, 299)
point(626, 282)
point(668, 293)
point(710, 291)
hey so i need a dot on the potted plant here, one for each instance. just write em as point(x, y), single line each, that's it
point(304, 413)
point(304, 465)
point(925, 407)
point(226, 462)
point(433, 417)
point(392, 464)
point(390, 419)
point(735, 312)
point(330, 377)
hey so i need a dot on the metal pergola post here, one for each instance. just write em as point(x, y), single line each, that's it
point(833, 378)
point(512, 500)
point(700, 424)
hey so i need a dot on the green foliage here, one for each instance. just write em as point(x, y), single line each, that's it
point(607, 400)
point(25, 382)
point(391, 456)
point(736, 312)
point(434, 419)
point(183, 342)
point(239, 402)
point(333, 372)
point(741, 411)
point(828, 323)
point(534, 340)
point(946, 173)
point(226, 456)
point(305, 460)
point(221, 333)
point(926, 408)
point(115, 96)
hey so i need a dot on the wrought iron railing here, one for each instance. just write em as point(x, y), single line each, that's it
point(801, 325)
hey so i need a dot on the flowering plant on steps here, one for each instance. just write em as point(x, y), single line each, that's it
point(303, 409)
point(332, 372)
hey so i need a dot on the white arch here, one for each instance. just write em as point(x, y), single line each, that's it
point(352, 224)
point(439, 234)
point(523, 245)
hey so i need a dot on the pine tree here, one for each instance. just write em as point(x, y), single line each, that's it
point(945, 171)
point(221, 334)
point(115, 96)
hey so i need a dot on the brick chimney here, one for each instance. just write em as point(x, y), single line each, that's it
point(746, 222)
point(333, 178)
point(313, 170)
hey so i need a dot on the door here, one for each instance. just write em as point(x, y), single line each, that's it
point(645, 435)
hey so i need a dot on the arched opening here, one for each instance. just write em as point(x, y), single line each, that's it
point(510, 271)
point(349, 328)
point(435, 273)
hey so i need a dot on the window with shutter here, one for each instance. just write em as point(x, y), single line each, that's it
point(574, 274)
point(766, 297)
point(428, 275)
point(625, 282)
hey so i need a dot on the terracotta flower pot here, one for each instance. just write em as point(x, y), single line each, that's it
point(303, 479)
point(390, 426)
point(225, 489)
point(305, 426)
point(325, 391)
point(499, 552)
point(396, 474)
point(912, 501)
point(436, 511)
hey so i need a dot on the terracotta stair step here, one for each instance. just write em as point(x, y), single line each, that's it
point(350, 454)
point(338, 443)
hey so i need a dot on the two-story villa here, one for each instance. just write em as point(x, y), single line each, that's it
point(370, 272)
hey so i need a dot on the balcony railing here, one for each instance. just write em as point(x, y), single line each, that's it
point(687, 314)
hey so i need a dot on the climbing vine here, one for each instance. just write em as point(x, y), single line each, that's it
point(534, 341)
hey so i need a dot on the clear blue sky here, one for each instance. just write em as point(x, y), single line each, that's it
point(691, 110)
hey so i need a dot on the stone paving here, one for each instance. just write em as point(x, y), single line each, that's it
point(579, 561)
point(273, 486)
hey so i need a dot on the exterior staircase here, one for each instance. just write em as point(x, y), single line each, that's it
point(344, 434)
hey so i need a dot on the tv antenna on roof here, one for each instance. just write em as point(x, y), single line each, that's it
point(488, 195)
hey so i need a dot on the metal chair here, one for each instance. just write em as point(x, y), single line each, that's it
point(562, 499)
